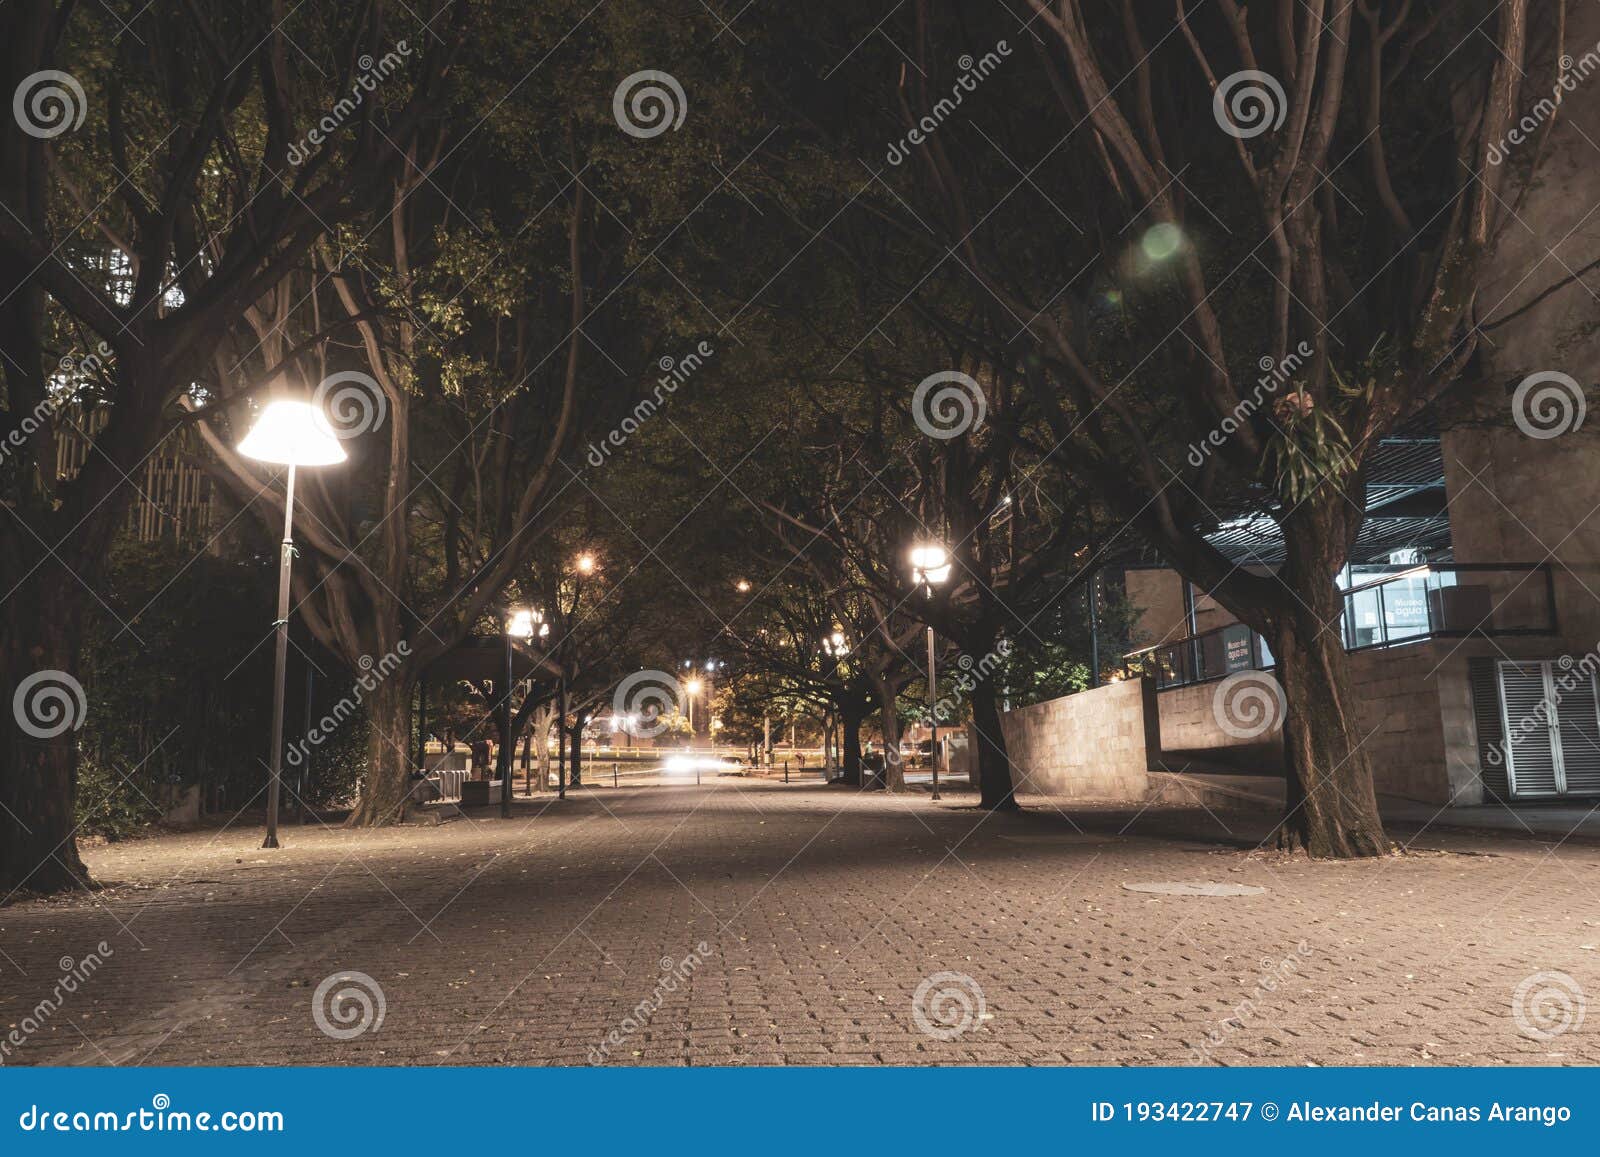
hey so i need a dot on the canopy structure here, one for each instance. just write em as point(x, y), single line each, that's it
point(484, 659)
point(478, 660)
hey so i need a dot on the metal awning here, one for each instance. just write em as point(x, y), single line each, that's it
point(484, 660)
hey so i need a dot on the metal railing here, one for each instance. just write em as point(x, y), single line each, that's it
point(1431, 601)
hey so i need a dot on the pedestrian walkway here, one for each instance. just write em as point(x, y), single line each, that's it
point(754, 922)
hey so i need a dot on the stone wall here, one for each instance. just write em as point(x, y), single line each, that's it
point(1157, 594)
point(1189, 732)
point(1096, 744)
point(1415, 722)
point(1414, 704)
point(1513, 497)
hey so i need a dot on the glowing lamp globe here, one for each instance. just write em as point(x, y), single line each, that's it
point(930, 564)
point(292, 434)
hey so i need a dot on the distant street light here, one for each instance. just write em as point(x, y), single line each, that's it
point(930, 566)
point(525, 624)
point(289, 434)
point(692, 687)
point(742, 586)
point(522, 624)
point(585, 563)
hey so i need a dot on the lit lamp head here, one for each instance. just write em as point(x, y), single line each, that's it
point(692, 686)
point(525, 624)
point(292, 434)
point(930, 566)
point(585, 563)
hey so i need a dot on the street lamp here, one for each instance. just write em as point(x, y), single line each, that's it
point(930, 566)
point(525, 625)
point(836, 647)
point(289, 434)
point(691, 688)
point(585, 563)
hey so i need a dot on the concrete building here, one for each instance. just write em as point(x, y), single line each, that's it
point(1470, 617)
point(1473, 596)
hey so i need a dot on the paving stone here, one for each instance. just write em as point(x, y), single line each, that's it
point(821, 912)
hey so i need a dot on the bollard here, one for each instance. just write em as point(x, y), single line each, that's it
point(786, 771)
point(697, 775)
point(613, 775)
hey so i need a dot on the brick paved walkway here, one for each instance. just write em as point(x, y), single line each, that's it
point(531, 940)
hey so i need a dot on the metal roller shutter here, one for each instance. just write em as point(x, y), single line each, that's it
point(1578, 715)
point(1531, 744)
point(1550, 723)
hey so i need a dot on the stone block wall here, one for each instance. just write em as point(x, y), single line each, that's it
point(1188, 726)
point(1414, 704)
point(1414, 707)
point(1096, 744)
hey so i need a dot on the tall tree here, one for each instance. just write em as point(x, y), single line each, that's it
point(152, 193)
point(1149, 203)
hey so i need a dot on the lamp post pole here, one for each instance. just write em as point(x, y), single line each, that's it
point(933, 718)
point(291, 434)
point(504, 760)
point(561, 741)
point(930, 564)
point(281, 662)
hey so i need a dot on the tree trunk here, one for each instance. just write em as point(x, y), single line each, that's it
point(993, 764)
point(39, 736)
point(541, 736)
point(850, 722)
point(576, 778)
point(1331, 809)
point(894, 771)
point(388, 780)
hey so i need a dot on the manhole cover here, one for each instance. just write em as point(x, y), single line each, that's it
point(1188, 889)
